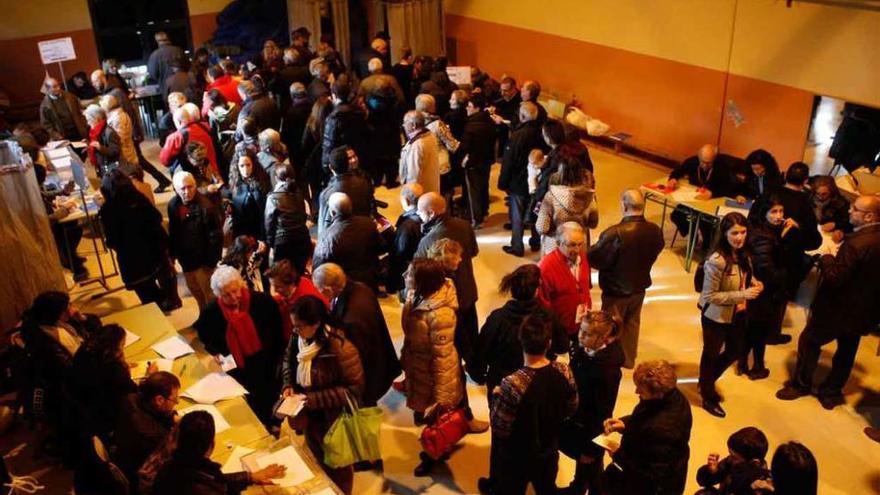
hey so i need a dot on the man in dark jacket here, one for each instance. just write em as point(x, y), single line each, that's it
point(805, 237)
point(351, 242)
point(477, 150)
point(847, 306)
point(346, 125)
point(145, 421)
point(530, 91)
point(357, 308)
point(160, 61)
point(514, 172)
point(60, 113)
point(407, 234)
point(384, 100)
point(195, 236)
point(506, 111)
point(348, 179)
point(294, 125)
point(624, 255)
point(258, 106)
point(292, 72)
point(286, 231)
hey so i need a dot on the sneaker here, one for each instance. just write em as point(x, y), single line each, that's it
point(791, 392)
point(478, 426)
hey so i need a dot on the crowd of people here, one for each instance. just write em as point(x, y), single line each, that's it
point(266, 154)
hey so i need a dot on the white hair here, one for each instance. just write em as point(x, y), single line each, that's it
point(180, 176)
point(269, 139)
point(528, 111)
point(567, 228)
point(416, 118)
point(224, 276)
point(374, 65)
point(339, 203)
point(94, 112)
point(187, 113)
point(329, 275)
point(426, 103)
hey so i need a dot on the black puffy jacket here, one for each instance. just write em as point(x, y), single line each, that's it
point(285, 214)
point(346, 125)
point(478, 140)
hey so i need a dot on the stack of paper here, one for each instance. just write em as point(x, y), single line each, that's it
point(609, 442)
point(227, 363)
point(214, 387)
point(290, 406)
point(234, 464)
point(140, 367)
point(220, 423)
point(297, 470)
point(174, 347)
point(131, 338)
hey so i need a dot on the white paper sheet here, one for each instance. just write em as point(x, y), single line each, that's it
point(140, 367)
point(681, 195)
point(227, 363)
point(724, 210)
point(297, 470)
point(174, 347)
point(214, 387)
point(610, 442)
point(131, 338)
point(291, 406)
point(233, 464)
point(220, 423)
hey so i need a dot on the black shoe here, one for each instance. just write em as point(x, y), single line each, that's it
point(169, 306)
point(508, 226)
point(81, 275)
point(714, 409)
point(535, 247)
point(424, 468)
point(362, 466)
point(791, 392)
point(485, 486)
point(830, 401)
point(758, 374)
point(741, 369)
point(782, 338)
point(161, 188)
point(514, 252)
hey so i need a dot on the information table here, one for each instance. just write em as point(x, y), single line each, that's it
point(150, 324)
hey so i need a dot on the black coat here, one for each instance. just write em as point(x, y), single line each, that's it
point(769, 266)
point(101, 387)
point(259, 375)
point(286, 216)
point(514, 171)
point(196, 237)
point(478, 140)
point(498, 351)
point(353, 243)
point(134, 230)
point(346, 125)
point(358, 310)
point(849, 280)
point(111, 147)
point(407, 234)
point(835, 211)
point(624, 255)
point(249, 208)
point(508, 109)
point(359, 189)
point(292, 130)
point(654, 449)
point(719, 180)
point(263, 111)
point(201, 476)
point(459, 230)
point(456, 119)
point(139, 430)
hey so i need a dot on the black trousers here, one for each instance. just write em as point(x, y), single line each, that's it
point(517, 208)
point(810, 345)
point(757, 332)
point(149, 168)
point(518, 468)
point(714, 361)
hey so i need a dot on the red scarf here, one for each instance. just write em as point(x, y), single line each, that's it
point(241, 334)
point(94, 132)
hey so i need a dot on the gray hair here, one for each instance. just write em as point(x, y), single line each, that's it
point(656, 377)
point(269, 139)
point(426, 103)
point(95, 112)
point(177, 97)
point(374, 65)
point(224, 276)
point(528, 111)
point(180, 176)
point(633, 200)
point(415, 117)
point(297, 89)
point(339, 204)
point(187, 113)
point(567, 228)
point(329, 275)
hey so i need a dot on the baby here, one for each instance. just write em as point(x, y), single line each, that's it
point(537, 160)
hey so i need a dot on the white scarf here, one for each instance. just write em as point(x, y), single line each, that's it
point(304, 357)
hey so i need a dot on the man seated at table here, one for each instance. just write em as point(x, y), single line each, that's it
point(145, 421)
point(708, 171)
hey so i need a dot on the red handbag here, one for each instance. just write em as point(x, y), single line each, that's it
point(440, 436)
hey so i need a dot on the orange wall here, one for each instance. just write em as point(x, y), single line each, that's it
point(202, 27)
point(669, 107)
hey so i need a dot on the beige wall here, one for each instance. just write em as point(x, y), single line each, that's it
point(22, 19)
point(819, 48)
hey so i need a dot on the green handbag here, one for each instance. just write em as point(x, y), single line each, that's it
point(354, 436)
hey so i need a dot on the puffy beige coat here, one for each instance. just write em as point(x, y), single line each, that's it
point(121, 123)
point(565, 204)
point(432, 365)
point(420, 162)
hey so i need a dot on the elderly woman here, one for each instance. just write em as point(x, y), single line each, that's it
point(121, 123)
point(189, 129)
point(323, 368)
point(830, 207)
point(596, 360)
point(571, 198)
point(247, 325)
point(654, 451)
point(429, 358)
point(104, 144)
point(133, 227)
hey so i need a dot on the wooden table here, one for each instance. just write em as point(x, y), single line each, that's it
point(246, 430)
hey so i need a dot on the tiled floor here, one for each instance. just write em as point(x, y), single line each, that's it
point(849, 463)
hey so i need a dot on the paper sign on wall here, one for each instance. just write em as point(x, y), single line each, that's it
point(60, 50)
point(460, 75)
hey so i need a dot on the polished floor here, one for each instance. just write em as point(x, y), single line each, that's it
point(849, 462)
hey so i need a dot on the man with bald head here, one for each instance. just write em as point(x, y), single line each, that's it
point(60, 113)
point(709, 171)
point(407, 234)
point(847, 306)
point(351, 241)
point(565, 277)
point(624, 255)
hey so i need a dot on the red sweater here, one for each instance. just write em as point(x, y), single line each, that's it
point(559, 289)
point(174, 143)
point(228, 87)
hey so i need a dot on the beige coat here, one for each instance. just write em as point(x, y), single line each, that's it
point(420, 162)
point(432, 365)
point(721, 289)
point(121, 123)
